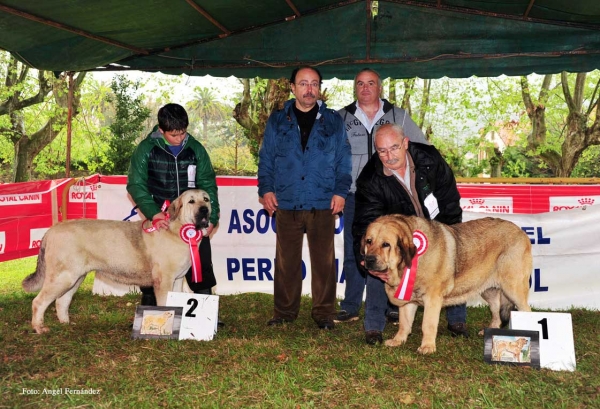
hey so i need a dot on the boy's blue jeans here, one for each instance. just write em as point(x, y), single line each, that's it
point(376, 306)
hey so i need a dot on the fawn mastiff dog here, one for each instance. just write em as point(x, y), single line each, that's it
point(120, 250)
point(448, 265)
point(513, 348)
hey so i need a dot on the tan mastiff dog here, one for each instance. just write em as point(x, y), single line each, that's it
point(448, 265)
point(513, 348)
point(119, 250)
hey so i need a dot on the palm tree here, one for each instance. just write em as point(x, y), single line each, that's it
point(208, 108)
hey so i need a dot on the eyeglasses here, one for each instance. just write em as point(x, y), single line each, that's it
point(392, 149)
point(306, 84)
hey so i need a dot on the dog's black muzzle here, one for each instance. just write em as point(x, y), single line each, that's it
point(371, 263)
point(202, 218)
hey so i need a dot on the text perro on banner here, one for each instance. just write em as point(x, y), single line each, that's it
point(244, 243)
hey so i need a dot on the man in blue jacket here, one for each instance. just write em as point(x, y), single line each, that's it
point(304, 175)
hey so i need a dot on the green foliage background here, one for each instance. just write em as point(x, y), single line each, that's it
point(118, 112)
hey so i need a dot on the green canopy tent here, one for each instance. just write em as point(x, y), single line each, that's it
point(399, 38)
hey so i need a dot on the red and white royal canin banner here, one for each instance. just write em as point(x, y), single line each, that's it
point(563, 223)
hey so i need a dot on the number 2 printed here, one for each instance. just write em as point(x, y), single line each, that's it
point(194, 304)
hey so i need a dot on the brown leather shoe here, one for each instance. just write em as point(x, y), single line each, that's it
point(458, 330)
point(373, 337)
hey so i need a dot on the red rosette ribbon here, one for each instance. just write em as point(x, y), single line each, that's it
point(405, 289)
point(190, 235)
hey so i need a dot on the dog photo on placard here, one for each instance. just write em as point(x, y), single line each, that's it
point(434, 265)
point(119, 250)
point(511, 349)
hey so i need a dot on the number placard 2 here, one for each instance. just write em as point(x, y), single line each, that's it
point(557, 348)
point(200, 315)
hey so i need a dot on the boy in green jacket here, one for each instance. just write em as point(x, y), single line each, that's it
point(164, 165)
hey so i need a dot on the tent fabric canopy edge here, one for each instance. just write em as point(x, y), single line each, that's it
point(399, 38)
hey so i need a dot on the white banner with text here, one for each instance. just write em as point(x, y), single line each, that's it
point(565, 249)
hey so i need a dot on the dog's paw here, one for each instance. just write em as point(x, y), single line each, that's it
point(42, 329)
point(393, 342)
point(426, 349)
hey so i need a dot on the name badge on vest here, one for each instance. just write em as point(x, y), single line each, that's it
point(432, 205)
point(191, 176)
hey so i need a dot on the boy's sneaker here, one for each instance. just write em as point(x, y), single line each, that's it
point(345, 316)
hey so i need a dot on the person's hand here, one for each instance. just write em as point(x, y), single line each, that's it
point(160, 221)
point(383, 276)
point(269, 202)
point(209, 229)
point(337, 204)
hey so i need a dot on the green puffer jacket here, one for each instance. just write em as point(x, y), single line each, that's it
point(156, 175)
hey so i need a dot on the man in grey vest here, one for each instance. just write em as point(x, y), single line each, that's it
point(361, 119)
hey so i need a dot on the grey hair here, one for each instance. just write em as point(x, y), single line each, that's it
point(395, 127)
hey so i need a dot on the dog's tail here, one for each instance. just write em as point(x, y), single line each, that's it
point(33, 282)
point(506, 306)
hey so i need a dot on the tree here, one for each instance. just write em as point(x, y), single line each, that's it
point(232, 157)
point(561, 149)
point(259, 98)
point(420, 121)
point(208, 108)
point(130, 114)
point(405, 103)
point(23, 90)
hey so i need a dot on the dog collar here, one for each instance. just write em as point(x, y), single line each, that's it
point(405, 289)
point(192, 237)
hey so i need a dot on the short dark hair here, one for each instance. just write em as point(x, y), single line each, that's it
point(293, 76)
point(172, 117)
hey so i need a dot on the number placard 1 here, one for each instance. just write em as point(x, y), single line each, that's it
point(557, 348)
point(200, 315)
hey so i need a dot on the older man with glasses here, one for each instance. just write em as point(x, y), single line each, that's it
point(304, 175)
point(410, 179)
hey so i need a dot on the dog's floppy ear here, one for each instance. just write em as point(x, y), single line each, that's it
point(405, 244)
point(407, 252)
point(175, 208)
point(362, 245)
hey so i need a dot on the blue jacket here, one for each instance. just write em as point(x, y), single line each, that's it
point(303, 180)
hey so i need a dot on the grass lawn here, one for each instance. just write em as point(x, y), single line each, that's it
point(250, 365)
